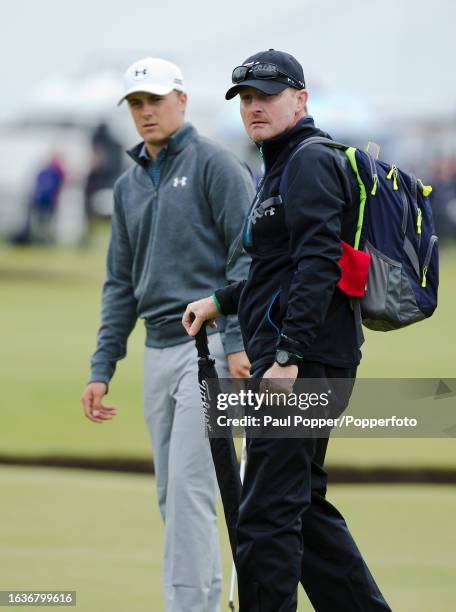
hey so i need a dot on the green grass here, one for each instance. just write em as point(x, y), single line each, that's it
point(50, 312)
point(101, 535)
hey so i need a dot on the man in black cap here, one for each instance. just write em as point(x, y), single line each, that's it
point(295, 321)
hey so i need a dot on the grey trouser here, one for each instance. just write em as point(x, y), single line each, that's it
point(185, 477)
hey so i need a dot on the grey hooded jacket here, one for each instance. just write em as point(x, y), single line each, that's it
point(170, 245)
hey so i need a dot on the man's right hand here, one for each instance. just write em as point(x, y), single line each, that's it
point(91, 401)
point(204, 310)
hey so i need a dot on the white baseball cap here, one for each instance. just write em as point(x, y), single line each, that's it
point(153, 75)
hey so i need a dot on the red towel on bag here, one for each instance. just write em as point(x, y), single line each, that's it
point(355, 267)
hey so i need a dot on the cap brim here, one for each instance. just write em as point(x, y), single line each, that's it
point(159, 90)
point(267, 87)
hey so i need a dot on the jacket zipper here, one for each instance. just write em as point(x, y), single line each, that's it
point(242, 237)
point(399, 186)
point(427, 259)
point(419, 219)
point(418, 212)
point(374, 175)
point(248, 229)
point(247, 234)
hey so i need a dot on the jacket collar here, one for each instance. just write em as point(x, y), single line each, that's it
point(178, 141)
point(284, 143)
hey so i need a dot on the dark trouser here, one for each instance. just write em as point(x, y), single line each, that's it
point(289, 533)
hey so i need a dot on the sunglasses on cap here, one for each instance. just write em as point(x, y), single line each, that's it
point(263, 71)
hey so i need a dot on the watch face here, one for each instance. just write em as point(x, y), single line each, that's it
point(282, 357)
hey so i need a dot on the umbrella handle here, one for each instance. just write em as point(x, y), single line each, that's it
point(201, 342)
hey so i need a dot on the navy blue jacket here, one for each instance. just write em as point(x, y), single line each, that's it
point(290, 299)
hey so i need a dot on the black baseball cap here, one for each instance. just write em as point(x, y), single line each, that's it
point(293, 74)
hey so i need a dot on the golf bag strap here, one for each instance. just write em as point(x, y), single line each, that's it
point(201, 342)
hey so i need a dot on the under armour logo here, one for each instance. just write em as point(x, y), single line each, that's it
point(141, 73)
point(179, 181)
point(258, 213)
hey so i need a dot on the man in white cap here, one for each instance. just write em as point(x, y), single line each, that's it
point(177, 213)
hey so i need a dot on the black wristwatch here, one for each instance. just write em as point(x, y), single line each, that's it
point(285, 358)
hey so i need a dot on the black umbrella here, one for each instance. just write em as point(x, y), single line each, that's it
point(222, 449)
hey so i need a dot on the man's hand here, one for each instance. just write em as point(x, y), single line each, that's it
point(279, 379)
point(91, 401)
point(238, 365)
point(204, 310)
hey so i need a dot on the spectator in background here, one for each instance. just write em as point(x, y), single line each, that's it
point(106, 167)
point(44, 202)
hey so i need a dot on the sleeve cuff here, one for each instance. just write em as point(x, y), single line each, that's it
point(223, 301)
point(92, 380)
point(100, 375)
point(289, 344)
point(217, 303)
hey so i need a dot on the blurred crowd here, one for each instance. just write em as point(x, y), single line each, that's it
point(50, 195)
point(105, 164)
point(443, 197)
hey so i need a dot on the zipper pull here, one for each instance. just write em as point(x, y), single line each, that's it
point(418, 221)
point(395, 175)
point(427, 189)
point(263, 163)
point(374, 185)
point(392, 174)
point(423, 281)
